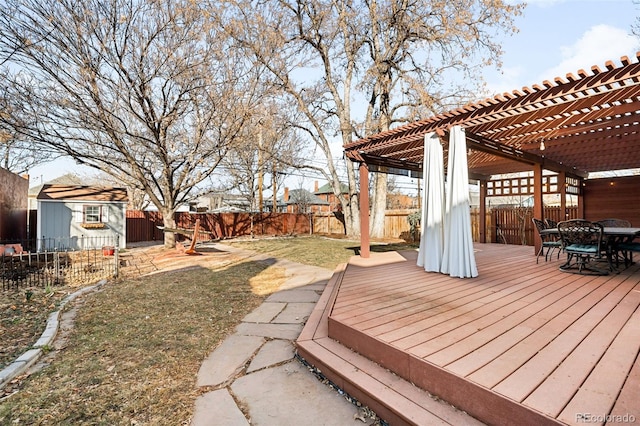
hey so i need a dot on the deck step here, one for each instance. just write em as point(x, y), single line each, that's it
point(392, 398)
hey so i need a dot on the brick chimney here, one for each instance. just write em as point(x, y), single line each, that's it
point(315, 187)
point(286, 195)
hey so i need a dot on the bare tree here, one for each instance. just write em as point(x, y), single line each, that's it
point(144, 90)
point(269, 150)
point(17, 153)
point(302, 201)
point(397, 59)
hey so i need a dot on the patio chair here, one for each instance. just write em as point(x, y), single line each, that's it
point(549, 241)
point(551, 223)
point(582, 241)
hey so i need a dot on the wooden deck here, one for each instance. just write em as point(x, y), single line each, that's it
point(523, 343)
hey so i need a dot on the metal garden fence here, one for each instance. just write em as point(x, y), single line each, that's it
point(50, 268)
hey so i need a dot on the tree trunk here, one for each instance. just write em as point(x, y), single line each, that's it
point(169, 222)
point(379, 205)
point(351, 204)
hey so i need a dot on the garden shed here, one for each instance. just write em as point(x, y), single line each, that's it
point(80, 217)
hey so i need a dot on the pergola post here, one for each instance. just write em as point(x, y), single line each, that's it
point(482, 214)
point(581, 200)
point(562, 183)
point(538, 202)
point(365, 239)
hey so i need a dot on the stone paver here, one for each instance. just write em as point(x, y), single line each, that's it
point(294, 295)
point(273, 388)
point(290, 395)
point(265, 312)
point(276, 331)
point(228, 359)
point(273, 352)
point(294, 313)
point(218, 408)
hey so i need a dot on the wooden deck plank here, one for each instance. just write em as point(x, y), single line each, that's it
point(599, 392)
point(505, 364)
point(463, 340)
point(627, 408)
point(559, 387)
point(416, 308)
point(442, 310)
point(523, 342)
point(532, 316)
point(384, 298)
point(545, 323)
point(368, 389)
point(491, 309)
point(528, 377)
point(437, 411)
point(317, 321)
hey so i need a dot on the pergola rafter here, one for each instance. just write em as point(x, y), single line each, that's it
point(588, 110)
point(588, 123)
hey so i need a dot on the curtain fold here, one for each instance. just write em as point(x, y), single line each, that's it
point(432, 226)
point(458, 258)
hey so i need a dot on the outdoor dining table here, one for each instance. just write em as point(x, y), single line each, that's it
point(613, 235)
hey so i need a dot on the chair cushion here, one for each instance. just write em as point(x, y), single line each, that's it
point(582, 248)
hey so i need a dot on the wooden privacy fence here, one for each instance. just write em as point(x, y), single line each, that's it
point(514, 222)
point(144, 225)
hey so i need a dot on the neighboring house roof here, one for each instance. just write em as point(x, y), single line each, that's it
point(82, 193)
point(66, 179)
point(302, 196)
point(328, 189)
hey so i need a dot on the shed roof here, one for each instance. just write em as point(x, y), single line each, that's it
point(588, 122)
point(82, 193)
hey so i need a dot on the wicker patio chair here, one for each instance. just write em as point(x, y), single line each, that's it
point(551, 223)
point(582, 241)
point(549, 241)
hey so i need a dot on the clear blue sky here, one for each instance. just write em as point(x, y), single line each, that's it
point(556, 37)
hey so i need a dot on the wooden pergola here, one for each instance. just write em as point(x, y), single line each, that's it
point(572, 126)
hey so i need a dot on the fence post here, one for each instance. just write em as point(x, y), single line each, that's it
point(115, 256)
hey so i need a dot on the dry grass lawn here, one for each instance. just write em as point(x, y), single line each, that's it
point(326, 252)
point(135, 350)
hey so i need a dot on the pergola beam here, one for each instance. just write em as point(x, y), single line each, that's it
point(480, 143)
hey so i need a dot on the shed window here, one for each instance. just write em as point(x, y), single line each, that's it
point(92, 214)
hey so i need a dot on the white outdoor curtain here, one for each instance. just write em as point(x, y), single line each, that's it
point(432, 226)
point(458, 259)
